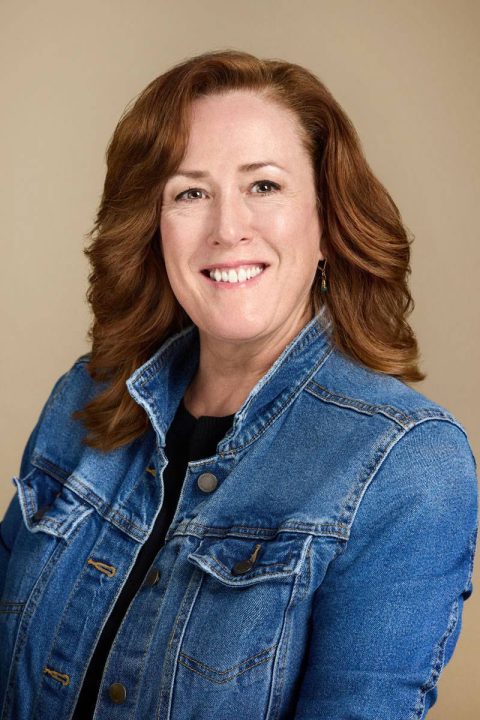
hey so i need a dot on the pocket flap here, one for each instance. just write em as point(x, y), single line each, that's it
point(239, 561)
point(48, 505)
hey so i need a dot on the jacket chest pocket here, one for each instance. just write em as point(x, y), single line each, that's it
point(240, 611)
point(51, 514)
point(48, 505)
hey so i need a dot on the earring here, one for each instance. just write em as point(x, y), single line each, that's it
point(323, 286)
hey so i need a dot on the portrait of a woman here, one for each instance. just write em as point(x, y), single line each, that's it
point(237, 506)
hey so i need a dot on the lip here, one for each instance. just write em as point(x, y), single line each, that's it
point(232, 266)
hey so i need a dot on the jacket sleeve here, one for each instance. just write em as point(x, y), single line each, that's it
point(13, 516)
point(387, 616)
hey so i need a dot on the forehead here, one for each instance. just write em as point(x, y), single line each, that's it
point(243, 120)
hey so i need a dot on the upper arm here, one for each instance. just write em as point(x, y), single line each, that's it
point(12, 518)
point(387, 615)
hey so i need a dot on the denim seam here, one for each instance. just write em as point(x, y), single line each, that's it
point(232, 667)
point(391, 412)
point(339, 531)
point(280, 662)
point(169, 669)
point(222, 682)
point(116, 640)
point(30, 607)
point(438, 659)
point(472, 546)
point(89, 496)
point(56, 472)
point(296, 392)
point(240, 580)
point(387, 444)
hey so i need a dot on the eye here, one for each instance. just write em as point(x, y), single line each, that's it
point(184, 195)
point(270, 186)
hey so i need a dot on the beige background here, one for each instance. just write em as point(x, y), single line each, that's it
point(406, 72)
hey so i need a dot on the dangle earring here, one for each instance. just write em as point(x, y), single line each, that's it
point(323, 286)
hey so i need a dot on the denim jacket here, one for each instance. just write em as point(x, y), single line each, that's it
point(316, 566)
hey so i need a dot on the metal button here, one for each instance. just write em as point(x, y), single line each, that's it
point(207, 482)
point(118, 693)
point(242, 567)
point(152, 577)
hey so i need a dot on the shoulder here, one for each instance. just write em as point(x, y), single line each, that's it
point(350, 385)
point(57, 436)
point(395, 426)
point(71, 391)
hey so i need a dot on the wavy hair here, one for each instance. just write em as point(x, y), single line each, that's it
point(363, 238)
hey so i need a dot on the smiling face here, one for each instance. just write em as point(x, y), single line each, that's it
point(242, 200)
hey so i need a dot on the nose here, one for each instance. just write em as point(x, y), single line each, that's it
point(230, 219)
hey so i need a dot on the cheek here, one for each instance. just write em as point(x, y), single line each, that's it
point(172, 240)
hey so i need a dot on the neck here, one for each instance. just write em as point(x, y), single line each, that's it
point(229, 370)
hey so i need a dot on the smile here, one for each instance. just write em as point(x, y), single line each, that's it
point(240, 276)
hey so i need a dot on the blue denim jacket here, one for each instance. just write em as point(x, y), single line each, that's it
point(320, 573)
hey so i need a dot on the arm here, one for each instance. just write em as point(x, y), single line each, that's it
point(387, 616)
point(13, 516)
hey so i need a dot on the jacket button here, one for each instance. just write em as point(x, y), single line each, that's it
point(207, 482)
point(242, 567)
point(118, 693)
point(152, 577)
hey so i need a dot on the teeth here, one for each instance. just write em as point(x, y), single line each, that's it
point(239, 275)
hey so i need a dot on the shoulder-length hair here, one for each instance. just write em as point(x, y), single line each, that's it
point(363, 238)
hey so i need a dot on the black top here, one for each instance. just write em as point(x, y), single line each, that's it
point(188, 438)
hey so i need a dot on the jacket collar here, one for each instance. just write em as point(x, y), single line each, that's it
point(159, 384)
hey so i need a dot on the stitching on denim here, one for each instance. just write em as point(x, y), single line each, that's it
point(158, 362)
point(354, 499)
point(360, 405)
point(333, 530)
point(229, 670)
point(161, 357)
point(56, 472)
point(279, 668)
point(297, 390)
point(186, 600)
point(256, 574)
point(14, 608)
point(438, 658)
point(222, 682)
point(316, 330)
point(22, 634)
point(102, 505)
point(472, 546)
point(255, 568)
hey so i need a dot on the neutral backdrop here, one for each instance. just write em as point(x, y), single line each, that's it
point(405, 71)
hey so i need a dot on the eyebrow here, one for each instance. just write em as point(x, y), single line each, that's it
point(249, 167)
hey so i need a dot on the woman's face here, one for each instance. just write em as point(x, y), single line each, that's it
point(243, 198)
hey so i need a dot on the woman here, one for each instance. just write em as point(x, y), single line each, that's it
point(235, 506)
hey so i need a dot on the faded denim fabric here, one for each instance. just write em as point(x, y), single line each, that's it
point(322, 578)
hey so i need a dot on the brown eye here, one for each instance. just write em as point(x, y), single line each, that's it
point(267, 186)
point(184, 195)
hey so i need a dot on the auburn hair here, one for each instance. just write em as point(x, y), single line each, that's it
point(363, 238)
